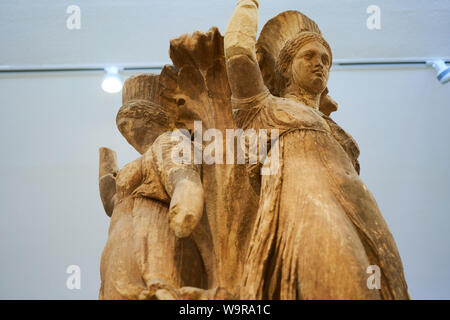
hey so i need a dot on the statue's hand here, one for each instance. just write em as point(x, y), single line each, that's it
point(186, 207)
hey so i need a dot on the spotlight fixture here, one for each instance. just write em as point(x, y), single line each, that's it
point(111, 81)
point(443, 71)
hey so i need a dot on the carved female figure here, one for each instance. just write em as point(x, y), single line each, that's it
point(318, 227)
point(144, 257)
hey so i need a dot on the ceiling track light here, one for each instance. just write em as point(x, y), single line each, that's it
point(112, 83)
point(442, 70)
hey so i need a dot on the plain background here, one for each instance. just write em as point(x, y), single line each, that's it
point(53, 124)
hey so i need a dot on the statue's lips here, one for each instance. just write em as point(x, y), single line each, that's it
point(318, 73)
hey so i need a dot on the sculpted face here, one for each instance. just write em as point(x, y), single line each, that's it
point(310, 67)
point(139, 133)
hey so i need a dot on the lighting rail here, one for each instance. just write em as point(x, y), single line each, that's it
point(337, 64)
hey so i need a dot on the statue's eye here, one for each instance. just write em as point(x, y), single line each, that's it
point(325, 59)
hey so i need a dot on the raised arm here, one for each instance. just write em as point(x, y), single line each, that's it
point(243, 70)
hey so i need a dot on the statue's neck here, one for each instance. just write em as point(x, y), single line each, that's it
point(307, 98)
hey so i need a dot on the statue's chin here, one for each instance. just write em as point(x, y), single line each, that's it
point(317, 85)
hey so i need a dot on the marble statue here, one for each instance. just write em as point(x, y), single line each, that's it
point(227, 229)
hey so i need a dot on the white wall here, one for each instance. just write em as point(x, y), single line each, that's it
point(137, 31)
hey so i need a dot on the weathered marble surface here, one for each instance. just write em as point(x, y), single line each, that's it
point(308, 230)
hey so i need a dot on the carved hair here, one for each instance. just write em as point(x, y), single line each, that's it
point(141, 122)
point(283, 76)
point(147, 111)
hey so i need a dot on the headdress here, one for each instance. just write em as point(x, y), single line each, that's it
point(288, 30)
point(141, 102)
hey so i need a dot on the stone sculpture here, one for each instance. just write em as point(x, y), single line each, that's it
point(308, 229)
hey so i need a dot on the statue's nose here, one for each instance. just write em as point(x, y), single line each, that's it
point(318, 63)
